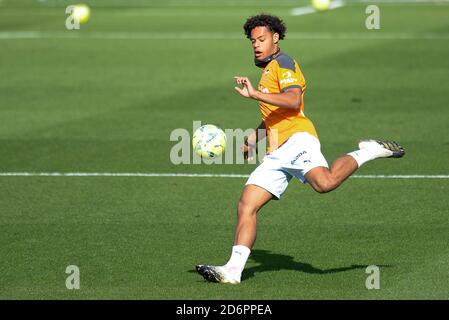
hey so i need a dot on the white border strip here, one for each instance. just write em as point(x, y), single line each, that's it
point(236, 3)
point(432, 2)
point(195, 175)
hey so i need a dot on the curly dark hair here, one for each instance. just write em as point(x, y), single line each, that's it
point(273, 23)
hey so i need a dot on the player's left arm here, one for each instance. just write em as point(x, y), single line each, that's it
point(290, 98)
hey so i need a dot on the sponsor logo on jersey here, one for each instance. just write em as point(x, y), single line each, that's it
point(288, 80)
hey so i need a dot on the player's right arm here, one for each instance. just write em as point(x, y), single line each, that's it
point(250, 145)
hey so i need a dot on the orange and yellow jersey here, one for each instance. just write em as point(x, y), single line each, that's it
point(279, 75)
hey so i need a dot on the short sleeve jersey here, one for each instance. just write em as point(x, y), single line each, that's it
point(278, 76)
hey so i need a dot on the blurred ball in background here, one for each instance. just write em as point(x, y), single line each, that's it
point(82, 13)
point(321, 5)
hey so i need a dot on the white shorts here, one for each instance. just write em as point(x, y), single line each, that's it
point(294, 158)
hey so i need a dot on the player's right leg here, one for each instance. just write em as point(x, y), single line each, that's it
point(267, 182)
point(252, 199)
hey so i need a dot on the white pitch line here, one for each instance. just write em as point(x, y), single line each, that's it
point(308, 10)
point(194, 175)
point(302, 11)
point(5, 35)
point(23, 35)
point(399, 176)
point(110, 174)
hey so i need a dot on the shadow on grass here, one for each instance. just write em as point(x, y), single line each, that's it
point(275, 262)
point(269, 261)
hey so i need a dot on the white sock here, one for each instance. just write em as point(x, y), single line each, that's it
point(363, 155)
point(238, 259)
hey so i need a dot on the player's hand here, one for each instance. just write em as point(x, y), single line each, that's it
point(248, 152)
point(247, 90)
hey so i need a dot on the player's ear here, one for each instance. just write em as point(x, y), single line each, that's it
point(276, 37)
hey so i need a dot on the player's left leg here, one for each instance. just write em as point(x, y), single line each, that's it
point(324, 180)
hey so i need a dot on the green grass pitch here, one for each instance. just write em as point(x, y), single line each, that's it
point(106, 97)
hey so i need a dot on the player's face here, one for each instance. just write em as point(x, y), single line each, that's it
point(264, 42)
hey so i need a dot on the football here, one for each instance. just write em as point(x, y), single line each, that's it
point(321, 5)
point(209, 141)
point(82, 13)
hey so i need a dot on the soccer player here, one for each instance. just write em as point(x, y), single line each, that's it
point(293, 145)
